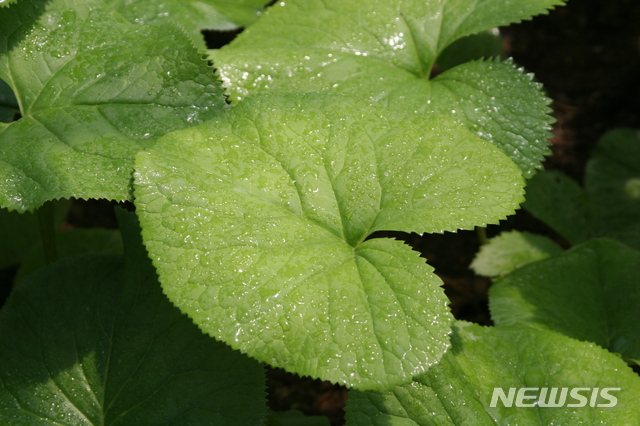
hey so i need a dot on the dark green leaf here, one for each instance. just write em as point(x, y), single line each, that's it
point(590, 292)
point(91, 340)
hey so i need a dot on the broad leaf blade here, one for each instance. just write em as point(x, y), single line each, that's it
point(88, 104)
point(458, 390)
point(384, 51)
point(510, 251)
point(561, 203)
point(598, 279)
point(612, 181)
point(193, 16)
point(92, 340)
point(256, 223)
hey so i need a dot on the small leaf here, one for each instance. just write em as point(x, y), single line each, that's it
point(93, 90)
point(512, 250)
point(561, 203)
point(384, 51)
point(257, 223)
point(612, 181)
point(458, 390)
point(598, 280)
point(193, 16)
point(92, 340)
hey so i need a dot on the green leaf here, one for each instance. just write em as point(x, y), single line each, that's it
point(8, 103)
point(384, 51)
point(612, 181)
point(458, 390)
point(561, 203)
point(193, 16)
point(70, 242)
point(512, 250)
point(19, 232)
point(257, 222)
point(486, 44)
point(93, 90)
point(5, 3)
point(296, 418)
point(598, 280)
point(92, 340)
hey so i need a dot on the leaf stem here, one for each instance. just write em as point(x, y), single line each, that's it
point(47, 232)
point(481, 232)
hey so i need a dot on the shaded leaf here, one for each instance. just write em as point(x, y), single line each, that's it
point(92, 340)
point(19, 232)
point(458, 390)
point(612, 181)
point(598, 280)
point(88, 104)
point(8, 103)
point(70, 242)
point(470, 48)
point(257, 223)
point(561, 203)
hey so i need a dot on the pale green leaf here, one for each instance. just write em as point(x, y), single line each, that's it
point(91, 340)
point(511, 250)
point(458, 390)
point(93, 90)
point(192, 15)
point(257, 222)
point(384, 51)
point(612, 181)
point(590, 293)
point(561, 203)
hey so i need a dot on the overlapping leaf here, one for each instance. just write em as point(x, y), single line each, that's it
point(257, 224)
point(93, 90)
point(511, 250)
point(92, 340)
point(612, 181)
point(192, 15)
point(561, 203)
point(384, 50)
point(458, 390)
point(598, 280)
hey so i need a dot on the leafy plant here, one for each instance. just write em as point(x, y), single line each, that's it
point(260, 217)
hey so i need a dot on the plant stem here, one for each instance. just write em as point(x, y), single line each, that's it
point(481, 232)
point(47, 232)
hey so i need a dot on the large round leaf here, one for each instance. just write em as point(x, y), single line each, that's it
point(384, 51)
point(257, 223)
